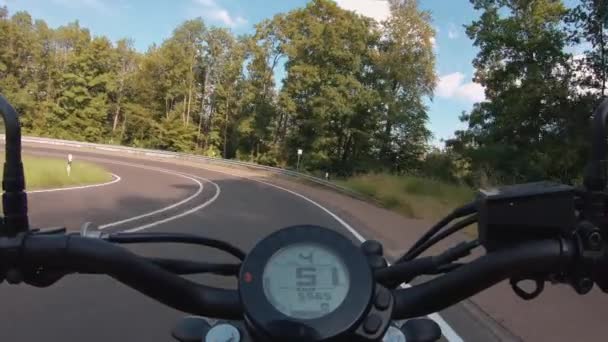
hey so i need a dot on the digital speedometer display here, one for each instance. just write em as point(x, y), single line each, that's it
point(305, 281)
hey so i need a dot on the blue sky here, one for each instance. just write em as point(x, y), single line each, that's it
point(150, 22)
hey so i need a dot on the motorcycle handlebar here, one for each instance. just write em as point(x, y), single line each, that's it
point(73, 253)
point(537, 257)
point(87, 255)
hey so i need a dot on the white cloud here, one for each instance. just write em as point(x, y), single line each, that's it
point(213, 11)
point(377, 9)
point(453, 86)
point(225, 17)
point(453, 31)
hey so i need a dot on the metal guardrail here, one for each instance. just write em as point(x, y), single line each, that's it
point(190, 157)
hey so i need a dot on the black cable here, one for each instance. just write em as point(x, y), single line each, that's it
point(404, 272)
point(461, 250)
point(446, 268)
point(465, 210)
point(195, 267)
point(396, 274)
point(176, 238)
point(440, 236)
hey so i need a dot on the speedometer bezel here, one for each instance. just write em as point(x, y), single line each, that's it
point(344, 319)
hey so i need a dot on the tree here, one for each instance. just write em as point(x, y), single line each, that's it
point(258, 121)
point(352, 96)
point(124, 66)
point(221, 68)
point(590, 24)
point(404, 73)
point(326, 48)
point(516, 132)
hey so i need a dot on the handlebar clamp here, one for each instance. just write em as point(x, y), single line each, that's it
point(592, 261)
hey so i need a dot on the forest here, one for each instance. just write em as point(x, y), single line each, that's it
point(351, 94)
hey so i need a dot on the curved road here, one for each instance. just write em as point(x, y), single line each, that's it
point(150, 197)
point(160, 196)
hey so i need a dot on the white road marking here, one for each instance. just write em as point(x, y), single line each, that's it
point(187, 212)
point(185, 200)
point(152, 224)
point(170, 218)
point(116, 179)
point(446, 329)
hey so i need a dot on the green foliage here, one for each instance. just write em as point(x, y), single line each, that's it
point(352, 97)
point(441, 165)
point(534, 99)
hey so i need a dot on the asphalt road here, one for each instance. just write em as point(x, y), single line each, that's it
point(96, 308)
point(160, 196)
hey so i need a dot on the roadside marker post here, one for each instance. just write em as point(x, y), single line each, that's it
point(299, 156)
point(69, 166)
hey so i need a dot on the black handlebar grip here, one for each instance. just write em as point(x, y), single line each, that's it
point(85, 255)
point(544, 256)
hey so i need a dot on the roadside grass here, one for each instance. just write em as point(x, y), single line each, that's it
point(414, 197)
point(50, 173)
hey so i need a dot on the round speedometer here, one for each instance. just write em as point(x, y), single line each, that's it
point(305, 283)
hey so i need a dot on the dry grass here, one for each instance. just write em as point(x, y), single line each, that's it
point(414, 197)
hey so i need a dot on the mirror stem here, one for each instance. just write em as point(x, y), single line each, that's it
point(14, 198)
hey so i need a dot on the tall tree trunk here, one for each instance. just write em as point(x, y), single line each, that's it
point(347, 148)
point(284, 129)
point(167, 107)
point(198, 135)
point(124, 125)
point(603, 57)
point(116, 116)
point(226, 128)
point(184, 112)
point(189, 101)
point(190, 86)
point(386, 139)
point(277, 130)
point(206, 142)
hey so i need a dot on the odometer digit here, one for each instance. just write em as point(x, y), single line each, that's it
point(303, 281)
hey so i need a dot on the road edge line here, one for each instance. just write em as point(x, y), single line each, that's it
point(447, 331)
